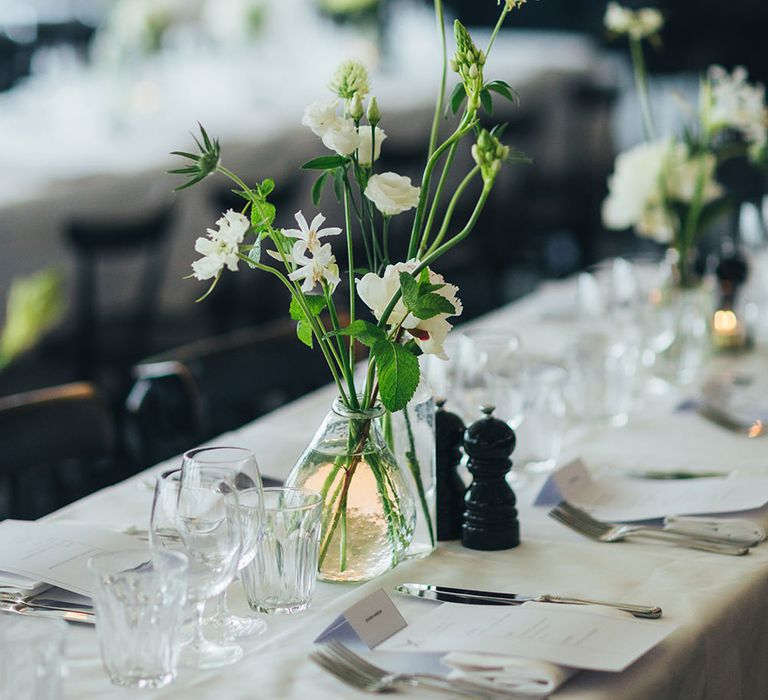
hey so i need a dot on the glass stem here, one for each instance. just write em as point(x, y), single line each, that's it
point(199, 640)
point(222, 612)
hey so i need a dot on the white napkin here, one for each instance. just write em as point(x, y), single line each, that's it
point(11, 583)
point(745, 526)
point(513, 673)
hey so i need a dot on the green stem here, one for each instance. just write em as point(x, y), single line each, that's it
point(385, 239)
point(351, 265)
point(436, 199)
point(691, 225)
point(443, 78)
point(641, 84)
point(415, 467)
point(451, 206)
point(496, 29)
point(346, 368)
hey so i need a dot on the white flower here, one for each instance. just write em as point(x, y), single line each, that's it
point(734, 103)
point(636, 196)
point(638, 24)
point(343, 138)
point(392, 193)
point(364, 150)
point(221, 247)
point(350, 79)
point(322, 117)
point(321, 266)
point(310, 234)
point(376, 292)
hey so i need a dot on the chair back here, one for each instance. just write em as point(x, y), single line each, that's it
point(144, 240)
point(58, 445)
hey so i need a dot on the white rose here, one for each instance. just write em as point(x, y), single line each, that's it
point(343, 138)
point(634, 184)
point(683, 172)
point(321, 117)
point(392, 193)
point(364, 150)
point(376, 292)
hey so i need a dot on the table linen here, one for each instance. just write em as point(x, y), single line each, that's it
point(719, 603)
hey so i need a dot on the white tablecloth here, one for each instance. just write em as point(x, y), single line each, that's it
point(719, 602)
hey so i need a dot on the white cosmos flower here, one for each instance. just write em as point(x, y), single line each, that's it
point(364, 150)
point(310, 234)
point(376, 292)
point(635, 195)
point(342, 138)
point(734, 103)
point(322, 117)
point(221, 247)
point(392, 193)
point(313, 270)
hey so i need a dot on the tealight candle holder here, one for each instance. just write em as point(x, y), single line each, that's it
point(728, 331)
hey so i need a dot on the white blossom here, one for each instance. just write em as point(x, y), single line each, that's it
point(322, 117)
point(392, 193)
point(648, 175)
point(639, 24)
point(220, 248)
point(737, 104)
point(364, 149)
point(310, 234)
point(343, 138)
point(430, 334)
point(313, 270)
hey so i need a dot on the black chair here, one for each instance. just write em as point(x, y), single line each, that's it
point(58, 445)
point(117, 344)
point(193, 393)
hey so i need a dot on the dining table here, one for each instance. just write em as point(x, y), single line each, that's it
point(718, 604)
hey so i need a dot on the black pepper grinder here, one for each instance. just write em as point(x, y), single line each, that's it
point(490, 517)
point(449, 431)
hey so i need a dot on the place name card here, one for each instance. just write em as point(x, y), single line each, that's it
point(373, 619)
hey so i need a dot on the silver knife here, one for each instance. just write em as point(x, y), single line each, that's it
point(447, 594)
point(81, 617)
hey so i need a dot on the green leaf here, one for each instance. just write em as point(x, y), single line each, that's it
point(315, 303)
point(317, 188)
point(398, 372)
point(325, 163)
point(487, 101)
point(304, 333)
point(458, 96)
point(419, 298)
point(500, 87)
point(365, 332)
point(267, 187)
point(262, 213)
point(338, 184)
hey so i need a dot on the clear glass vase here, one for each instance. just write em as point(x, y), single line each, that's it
point(369, 510)
point(410, 434)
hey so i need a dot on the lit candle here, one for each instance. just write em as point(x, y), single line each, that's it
point(727, 332)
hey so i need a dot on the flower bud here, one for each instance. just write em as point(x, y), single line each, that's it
point(355, 107)
point(473, 71)
point(373, 114)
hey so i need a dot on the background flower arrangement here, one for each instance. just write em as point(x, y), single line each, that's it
point(410, 304)
point(667, 187)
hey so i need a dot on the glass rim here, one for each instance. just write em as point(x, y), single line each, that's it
point(195, 451)
point(343, 411)
point(173, 560)
point(314, 498)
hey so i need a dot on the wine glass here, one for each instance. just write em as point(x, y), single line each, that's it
point(239, 463)
point(200, 518)
point(491, 372)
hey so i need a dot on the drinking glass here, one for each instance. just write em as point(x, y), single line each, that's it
point(281, 578)
point(31, 653)
point(540, 435)
point(602, 365)
point(240, 464)
point(491, 371)
point(139, 600)
point(200, 519)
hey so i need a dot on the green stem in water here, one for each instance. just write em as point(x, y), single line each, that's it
point(415, 467)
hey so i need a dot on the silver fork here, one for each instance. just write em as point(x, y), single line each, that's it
point(582, 522)
point(355, 671)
